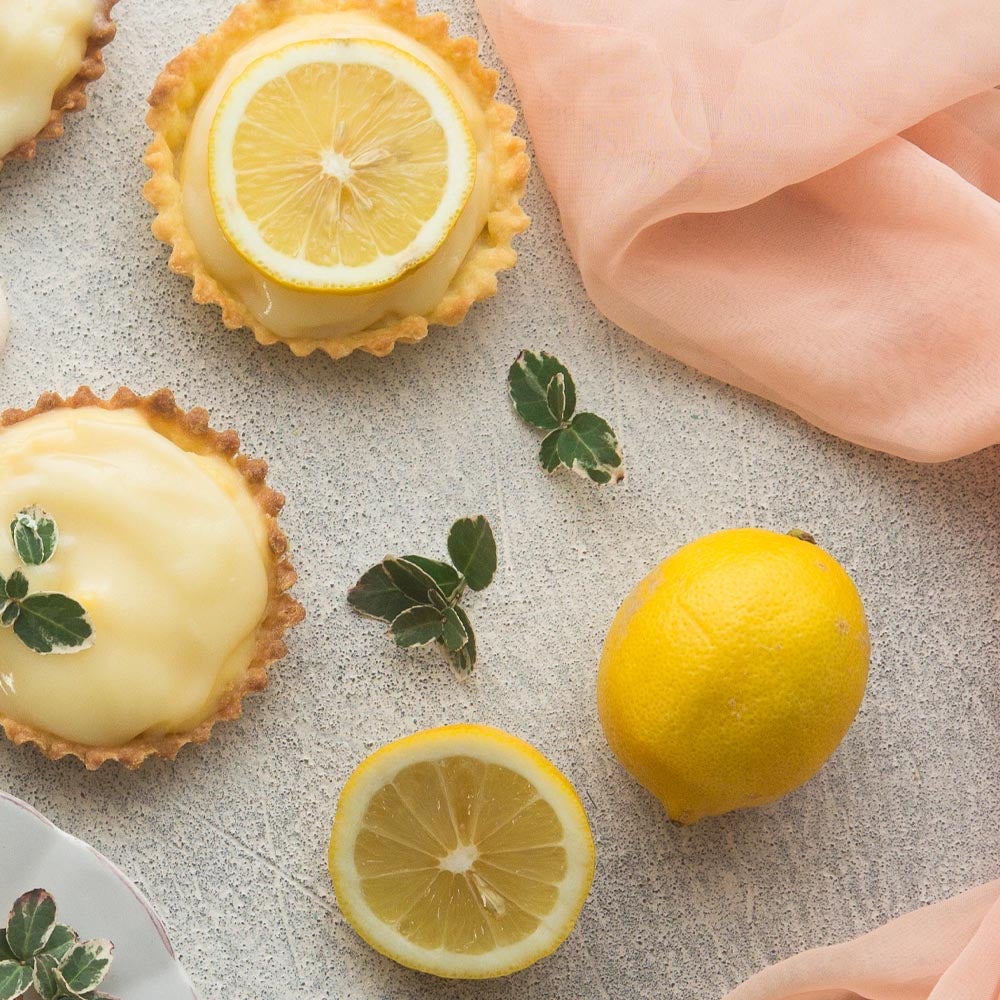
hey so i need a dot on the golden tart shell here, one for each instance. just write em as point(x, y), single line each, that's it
point(72, 97)
point(175, 99)
point(189, 430)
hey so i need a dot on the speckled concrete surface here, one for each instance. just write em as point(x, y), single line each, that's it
point(379, 456)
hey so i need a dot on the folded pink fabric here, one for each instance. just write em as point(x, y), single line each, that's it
point(799, 197)
point(948, 951)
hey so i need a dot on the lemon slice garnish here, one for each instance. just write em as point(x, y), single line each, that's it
point(339, 165)
point(462, 852)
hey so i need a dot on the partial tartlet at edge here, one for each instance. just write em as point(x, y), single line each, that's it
point(189, 430)
point(73, 96)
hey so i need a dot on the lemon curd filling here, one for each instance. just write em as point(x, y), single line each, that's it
point(295, 313)
point(42, 45)
point(165, 549)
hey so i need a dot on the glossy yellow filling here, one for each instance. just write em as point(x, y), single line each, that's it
point(165, 549)
point(42, 44)
point(292, 313)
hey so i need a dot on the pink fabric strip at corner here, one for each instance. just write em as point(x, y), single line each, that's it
point(799, 197)
point(947, 951)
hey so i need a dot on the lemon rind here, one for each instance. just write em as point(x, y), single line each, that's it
point(498, 747)
point(188, 429)
point(174, 102)
point(229, 229)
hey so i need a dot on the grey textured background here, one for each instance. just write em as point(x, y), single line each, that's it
point(379, 456)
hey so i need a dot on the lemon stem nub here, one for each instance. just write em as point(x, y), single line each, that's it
point(803, 535)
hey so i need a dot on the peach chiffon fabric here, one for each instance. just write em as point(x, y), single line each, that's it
point(948, 951)
point(799, 197)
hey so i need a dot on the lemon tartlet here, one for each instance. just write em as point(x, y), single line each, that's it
point(335, 174)
point(49, 51)
point(168, 538)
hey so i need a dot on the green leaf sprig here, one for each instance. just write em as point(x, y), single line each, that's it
point(44, 622)
point(544, 396)
point(37, 951)
point(419, 597)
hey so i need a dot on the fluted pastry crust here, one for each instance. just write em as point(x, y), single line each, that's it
point(189, 430)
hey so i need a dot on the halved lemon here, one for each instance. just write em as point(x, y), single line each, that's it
point(339, 165)
point(461, 852)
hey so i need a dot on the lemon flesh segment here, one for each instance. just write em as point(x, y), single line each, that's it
point(464, 854)
point(339, 165)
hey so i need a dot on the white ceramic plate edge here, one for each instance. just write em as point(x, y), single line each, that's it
point(170, 976)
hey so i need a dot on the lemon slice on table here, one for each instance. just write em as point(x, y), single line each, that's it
point(339, 165)
point(461, 852)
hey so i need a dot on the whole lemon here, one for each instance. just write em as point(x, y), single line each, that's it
point(733, 671)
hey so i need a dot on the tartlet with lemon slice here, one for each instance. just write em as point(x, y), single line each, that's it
point(335, 174)
point(49, 51)
point(165, 540)
point(462, 852)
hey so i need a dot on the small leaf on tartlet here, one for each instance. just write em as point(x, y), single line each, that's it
point(53, 623)
point(44, 979)
point(473, 550)
point(528, 381)
point(410, 579)
point(464, 659)
point(443, 574)
point(8, 613)
point(556, 397)
point(417, 626)
point(548, 454)
point(31, 920)
point(453, 633)
point(17, 585)
point(34, 535)
point(15, 979)
point(589, 447)
point(375, 595)
point(86, 965)
point(61, 942)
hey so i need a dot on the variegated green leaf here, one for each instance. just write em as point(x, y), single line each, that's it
point(548, 454)
point(53, 623)
point(417, 626)
point(34, 535)
point(410, 578)
point(453, 634)
point(443, 574)
point(438, 600)
point(528, 381)
point(31, 920)
point(17, 585)
point(6, 954)
point(473, 550)
point(377, 596)
point(44, 979)
point(15, 979)
point(464, 659)
point(61, 942)
point(86, 965)
point(555, 396)
point(589, 447)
